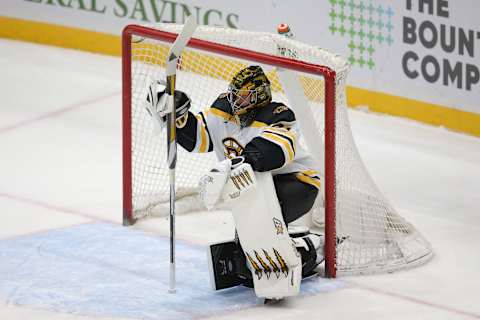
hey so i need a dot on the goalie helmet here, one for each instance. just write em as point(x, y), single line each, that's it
point(248, 90)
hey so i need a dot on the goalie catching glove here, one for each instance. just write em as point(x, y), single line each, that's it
point(157, 106)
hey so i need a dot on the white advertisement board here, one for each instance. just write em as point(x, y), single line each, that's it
point(426, 50)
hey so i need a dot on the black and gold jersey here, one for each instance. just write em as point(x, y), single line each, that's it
point(269, 143)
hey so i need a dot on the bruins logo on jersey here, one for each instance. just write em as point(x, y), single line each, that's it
point(232, 148)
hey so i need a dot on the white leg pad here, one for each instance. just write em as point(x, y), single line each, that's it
point(271, 254)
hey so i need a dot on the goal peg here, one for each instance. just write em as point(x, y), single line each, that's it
point(284, 30)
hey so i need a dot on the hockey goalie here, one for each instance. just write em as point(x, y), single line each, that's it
point(264, 176)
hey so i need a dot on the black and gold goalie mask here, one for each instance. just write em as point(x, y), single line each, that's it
point(248, 90)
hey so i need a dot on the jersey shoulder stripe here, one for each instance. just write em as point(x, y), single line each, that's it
point(202, 139)
point(220, 108)
point(205, 133)
point(221, 114)
point(222, 104)
point(309, 176)
point(285, 142)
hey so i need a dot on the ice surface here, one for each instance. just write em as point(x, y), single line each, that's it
point(103, 269)
point(60, 173)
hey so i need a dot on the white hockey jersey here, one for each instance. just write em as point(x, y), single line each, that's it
point(273, 135)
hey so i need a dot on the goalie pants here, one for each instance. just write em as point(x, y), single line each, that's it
point(296, 197)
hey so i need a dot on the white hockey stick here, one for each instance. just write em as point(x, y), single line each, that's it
point(172, 59)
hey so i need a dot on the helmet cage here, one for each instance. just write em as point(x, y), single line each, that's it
point(242, 100)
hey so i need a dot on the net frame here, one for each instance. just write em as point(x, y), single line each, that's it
point(328, 74)
point(332, 80)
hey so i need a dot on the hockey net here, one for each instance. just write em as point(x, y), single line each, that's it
point(364, 233)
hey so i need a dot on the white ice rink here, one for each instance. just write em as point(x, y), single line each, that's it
point(60, 177)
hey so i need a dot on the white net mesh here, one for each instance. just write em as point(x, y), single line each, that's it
point(375, 237)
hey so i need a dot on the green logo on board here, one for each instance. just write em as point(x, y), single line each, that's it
point(365, 24)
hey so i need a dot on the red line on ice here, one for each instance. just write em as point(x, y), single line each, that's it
point(51, 206)
point(56, 113)
point(417, 301)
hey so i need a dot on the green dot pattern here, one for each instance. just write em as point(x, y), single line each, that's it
point(365, 25)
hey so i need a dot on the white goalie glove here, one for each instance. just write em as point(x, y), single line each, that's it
point(212, 184)
point(156, 102)
point(158, 107)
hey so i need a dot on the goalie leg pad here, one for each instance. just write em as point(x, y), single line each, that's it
point(271, 254)
point(228, 265)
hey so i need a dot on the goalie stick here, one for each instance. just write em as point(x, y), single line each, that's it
point(171, 70)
